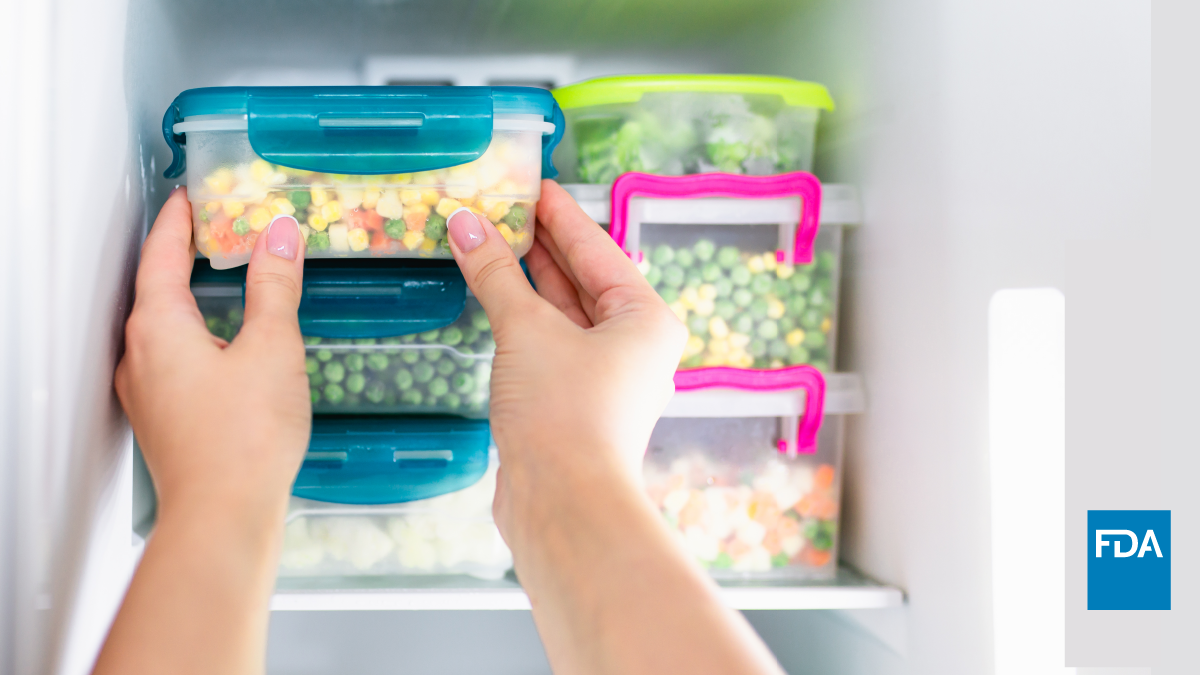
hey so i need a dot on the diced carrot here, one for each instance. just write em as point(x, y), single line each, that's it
point(736, 548)
point(764, 509)
point(786, 527)
point(815, 557)
point(825, 508)
point(220, 232)
point(824, 477)
point(773, 541)
point(805, 506)
point(692, 511)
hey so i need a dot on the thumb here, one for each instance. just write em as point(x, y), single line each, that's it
point(489, 266)
point(274, 281)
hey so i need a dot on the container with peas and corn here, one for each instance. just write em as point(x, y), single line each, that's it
point(366, 171)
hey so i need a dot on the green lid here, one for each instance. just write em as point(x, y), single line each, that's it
point(629, 89)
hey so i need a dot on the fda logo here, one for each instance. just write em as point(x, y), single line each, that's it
point(1129, 560)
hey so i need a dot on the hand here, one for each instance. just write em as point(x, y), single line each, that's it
point(223, 428)
point(582, 371)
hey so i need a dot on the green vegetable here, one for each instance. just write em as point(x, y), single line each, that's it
point(743, 323)
point(653, 276)
point(334, 393)
point(742, 297)
point(798, 355)
point(354, 361)
point(480, 321)
point(783, 288)
point(757, 348)
point(779, 560)
point(446, 366)
point(377, 361)
point(410, 356)
point(463, 383)
point(711, 272)
point(423, 372)
point(814, 339)
point(797, 305)
point(241, 226)
point(431, 355)
point(318, 241)
point(697, 325)
point(725, 309)
point(684, 258)
point(334, 371)
point(516, 217)
point(704, 250)
point(411, 397)
point(820, 365)
point(435, 227)
point(811, 319)
point(728, 256)
point(311, 341)
point(451, 336)
point(693, 278)
point(451, 401)
point(663, 255)
point(669, 294)
point(316, 380)
point(315, 395)
point(761, 284)
point(723, 561)
point(740, 276)
point(469, 334)
point(311, 365)
point(403, 379)
point(300, 199)
point(758, 309)
point(801, 282)
point(430, 335)
point(769, 330)
point(826, 261)
point(375, 391)
point(395, 228)
point(778, 349)
point(355, 383)
point(438, 386)
point(672, 276)
point(724, 287)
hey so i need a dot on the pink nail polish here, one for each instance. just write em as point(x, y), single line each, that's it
point(283, 237)
point(466, 229)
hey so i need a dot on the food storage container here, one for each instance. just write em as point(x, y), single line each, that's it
point(434, 361)
point(743, 500)
point(741, 260)
point(367, 171)
point(449, 534)
point(687, 124)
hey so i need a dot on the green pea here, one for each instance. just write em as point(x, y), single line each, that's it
point(354, 362)
point(324, 355)
point(423, 372)
point(341, 342)
point(366, 342)
point(811, 319)
point(435, 227)
point(300, 199)
point(334, 393)
point(757, 348)
point(769, 330)
point(395, 228)
point(782, 288)
point(743, 323)
point(438, 386)
point(480, 321)
point(778, 349)
point(740, 276)
point(377, 361)
point(826, 261)
point(724, 287)
point(241, 227)
point(711, 272)
point(334, 371)
point(801, 282)
point(516, 217)
point(723, 561)
point(761, 284)
point(430, 335)
point(779, 560)
point(725, 309)
point(758, 309)
point(235, 315)
point(761, 363)
point(486, 345)
point(786, 324)
point(463, 383)
point(672, 276)
point(663, 255)
point(446, 366)
point(311, 341)
point(798, 355)
point(814, 339)
point(451, 336)
point(818, 298)
point(315, 395)
point(408, 339)
point(820, 365)
point(462, 361)
point(822, 541)
point(728, 256)
point(311, 365)
point(704, 250)
point(669, 295)
point(469, 334)
point(432, 355)
point(410, 356)
point(653, 276)
point(452, 401)
point(796, 305)
point(404, 378)
point(412, 397)
point(684, 258)
point(318, 241)
point(375, 391)
point(697, 325)
point(742, 297)
point(693, 278)
point(355, 383)
point(316, 380)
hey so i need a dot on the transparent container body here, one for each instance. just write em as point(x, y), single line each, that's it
point(450, 534)
point(235, 194)
point(682, 133)
point(447, 370)
point(738, 505)
point(742, 308)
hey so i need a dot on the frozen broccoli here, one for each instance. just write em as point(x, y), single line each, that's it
point(318, 241)
point(435, 227)
point(517, 217)
point(395, 228)
point(300, 199)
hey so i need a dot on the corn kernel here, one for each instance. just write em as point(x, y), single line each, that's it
point(371, 198)
point(506, 232)
point(317, 222)
point(689, 296)
point(718, 327)
point(412, 239)
point(282, 207)
point(784, 271)
point(718, 346)
point(212, 207)
point(446, 206)
point(428, 245)
point(826, 324)
point(358, 239)
point(319, 196)
point(695, 345)
point(408, 197)
point(794, 338)
point(461, 191)
point(705, 306)
point(707, 292)
point(234, 209)
point(220, 181)
point(776, 363)
point(520, 238)
point(430, 197)
point(389, 206)
point(261, 170)
point(755, 263)
point(739, 340)
point(679, 309)
point(746, 361)
point(713, 360)
point(469, 201)
point(401, 178)
point(769, 261)
point(775, 308)
point(259, 218)
point(332, 210)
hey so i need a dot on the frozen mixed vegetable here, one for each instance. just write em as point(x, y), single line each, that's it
point(744, 309)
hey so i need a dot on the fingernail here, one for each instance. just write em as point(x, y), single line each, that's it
point(466, 229)
point(284, 240)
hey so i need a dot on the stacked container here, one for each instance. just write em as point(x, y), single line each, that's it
point(710, 196)
point(398, 476)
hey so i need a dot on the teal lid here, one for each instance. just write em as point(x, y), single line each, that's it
point(373, 460)
point(361, 130)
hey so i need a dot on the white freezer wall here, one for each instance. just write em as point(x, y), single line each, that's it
point(984, 138)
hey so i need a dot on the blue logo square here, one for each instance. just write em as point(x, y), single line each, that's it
point(1129, 559)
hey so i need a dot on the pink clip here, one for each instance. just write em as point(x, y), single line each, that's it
point(794, 377)
point(799, 183)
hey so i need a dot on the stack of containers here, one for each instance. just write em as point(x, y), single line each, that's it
point(398, 477)
point(710, 195)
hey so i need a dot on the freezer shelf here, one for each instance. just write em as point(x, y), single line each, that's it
point(847, 590)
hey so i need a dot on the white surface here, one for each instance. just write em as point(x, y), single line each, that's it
point(843, 395)
point(839, 206)
point(1027, 438)
point(556, 69)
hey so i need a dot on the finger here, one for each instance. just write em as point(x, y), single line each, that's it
point(586, 302)
point(554, 286)
point(589, 253)
point(274, 283)
point(165, 269)
point(490, 268)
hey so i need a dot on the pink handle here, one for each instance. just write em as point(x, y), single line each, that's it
point(802, 184)
point(794, 377)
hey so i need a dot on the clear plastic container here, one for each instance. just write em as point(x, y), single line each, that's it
point(367, 171)
point(449, 534)
point(688, 124)
point(740, 506)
